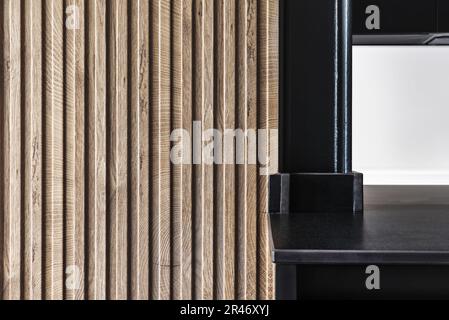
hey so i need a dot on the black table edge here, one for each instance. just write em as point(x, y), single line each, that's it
point(345, 257)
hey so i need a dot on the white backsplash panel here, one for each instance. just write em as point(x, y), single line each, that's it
point(401, 114)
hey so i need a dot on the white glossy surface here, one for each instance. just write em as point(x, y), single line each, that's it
point(401, 115)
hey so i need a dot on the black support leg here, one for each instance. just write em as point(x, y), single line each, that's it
point(286, 285)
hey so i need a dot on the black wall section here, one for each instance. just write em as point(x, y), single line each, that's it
point(397, 16)
point(403, 22)
point(443, 16)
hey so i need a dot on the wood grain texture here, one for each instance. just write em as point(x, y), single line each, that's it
point(267, 119)
point(91, 204)
point(186, 253)
point(225, 173)
point(75, 153)
point(32, 130)
point(12, 149)
point(96, 149)
point(247, 172)
point(165, 73)
point(140, 150)
point(117, 148)
point(54, 149)
point(176, 173)
point(207, 170)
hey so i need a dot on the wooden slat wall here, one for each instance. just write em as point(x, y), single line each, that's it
point(91, 205)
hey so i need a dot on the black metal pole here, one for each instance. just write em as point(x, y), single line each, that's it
point(315, 86)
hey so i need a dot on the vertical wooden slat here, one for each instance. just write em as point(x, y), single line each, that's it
point(54, 144)
point(208, 170)
point(32, 192)
point(118, 144)
point(262, 237)
point(225, 123)
point(229, 174)
point(155, 134)
point(186, 192)
point(241, 188)
point(80, 151)
point(142, 224)
point(139, 149)
point(164, 155)
point(177, 115)
point(197, 87)
point(252, 172)
point(161, 231)
point(273, 109)
point(268, 119)
point(219, 245)
point(96, 151)
point(273, 79)
point(247, 176)
point(69, 154)
point(74, 150)
point(12, 172)
point(140, 152)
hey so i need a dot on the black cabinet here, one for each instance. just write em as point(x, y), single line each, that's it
point(328, 255)
point(372, 282)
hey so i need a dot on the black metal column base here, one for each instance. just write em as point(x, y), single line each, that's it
point(316, 192)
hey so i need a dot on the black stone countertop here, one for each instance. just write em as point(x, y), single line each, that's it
point(384, 234)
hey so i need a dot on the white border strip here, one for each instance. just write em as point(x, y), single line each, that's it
point(407, 178)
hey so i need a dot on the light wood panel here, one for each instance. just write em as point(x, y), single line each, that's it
point(186, 253)
point(267, 119)
point(32, 139)
point(12, 149)
point(247, 173)
point(118, 112)
point(140, 150)
point(91, 205)
point(225, 61)
point(53, 175)
point(96, 147)
point(75, 155)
